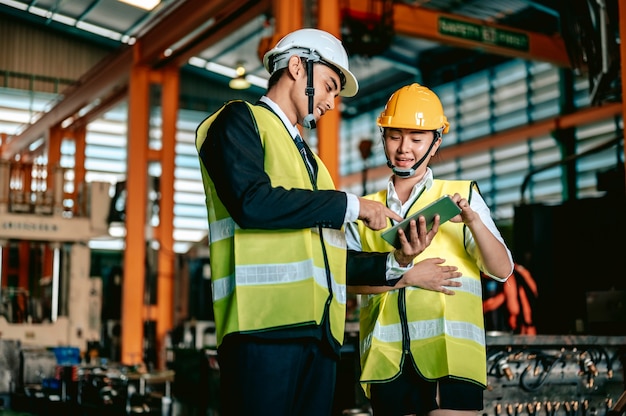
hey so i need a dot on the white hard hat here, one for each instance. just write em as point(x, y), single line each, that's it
point(317, 45)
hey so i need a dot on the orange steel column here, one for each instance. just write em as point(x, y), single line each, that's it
point(622, 35)
point(3, 140)
point(165, 280)
point(288, 15)
point(329, 19)
point(287, 18)
point(79, 170)
point(136, 199)
point(55, 137)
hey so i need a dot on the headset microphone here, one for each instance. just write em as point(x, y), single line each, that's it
point(404, 173)
point(309, 122)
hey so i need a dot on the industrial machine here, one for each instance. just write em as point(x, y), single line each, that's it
point(551, 375)
point(51, 308)
point(47, 295)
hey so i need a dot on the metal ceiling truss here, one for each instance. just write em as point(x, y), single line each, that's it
point(186, 28)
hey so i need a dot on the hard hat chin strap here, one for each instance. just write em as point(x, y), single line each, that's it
point(309, 120)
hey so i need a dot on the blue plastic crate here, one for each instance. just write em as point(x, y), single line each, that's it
point(67, 355)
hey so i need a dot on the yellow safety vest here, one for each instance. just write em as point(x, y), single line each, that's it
point(444, 334)
point(274, 279)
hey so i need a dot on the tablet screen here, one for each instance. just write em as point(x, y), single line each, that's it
point(444, 206)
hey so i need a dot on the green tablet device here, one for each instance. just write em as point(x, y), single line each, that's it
point(444, 206)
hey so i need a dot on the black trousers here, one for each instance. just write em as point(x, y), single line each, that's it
point(410, 393)
point(276, 377)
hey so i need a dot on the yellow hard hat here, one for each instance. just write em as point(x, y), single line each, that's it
point(414, 107)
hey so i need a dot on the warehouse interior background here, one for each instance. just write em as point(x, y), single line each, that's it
point(103, 228)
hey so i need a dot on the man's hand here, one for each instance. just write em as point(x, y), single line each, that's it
point(374, 214)
point(429, 274)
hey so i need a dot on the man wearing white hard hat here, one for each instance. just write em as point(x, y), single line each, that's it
point(277, 247)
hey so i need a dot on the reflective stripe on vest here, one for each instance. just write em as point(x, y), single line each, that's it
point(265, 279)
point(431, 328)
point(445, 333)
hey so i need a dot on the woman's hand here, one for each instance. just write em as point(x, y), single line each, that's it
point(416, 242)
point(467, 215)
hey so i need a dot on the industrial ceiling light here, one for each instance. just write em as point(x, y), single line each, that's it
point(239, 82)
point(142, 4)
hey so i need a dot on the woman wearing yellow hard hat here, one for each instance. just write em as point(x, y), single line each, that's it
point(422, 344)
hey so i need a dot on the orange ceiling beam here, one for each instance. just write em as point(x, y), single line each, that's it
point(190, 27)
point(210, 22)
point(194, 24)
point(96, 83)
point(514, 135)
point(460, 31)
point(580, 118)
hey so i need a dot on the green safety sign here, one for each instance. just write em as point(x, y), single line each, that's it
point(483, 34)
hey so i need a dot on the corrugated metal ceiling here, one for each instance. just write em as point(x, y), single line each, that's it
point(406, 59)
